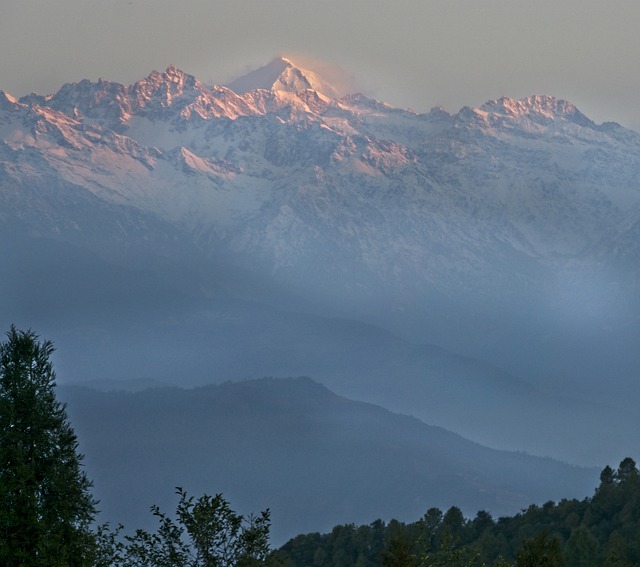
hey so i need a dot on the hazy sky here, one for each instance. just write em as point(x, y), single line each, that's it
point(412, 53)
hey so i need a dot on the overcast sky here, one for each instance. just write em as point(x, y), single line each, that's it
point(410, 53)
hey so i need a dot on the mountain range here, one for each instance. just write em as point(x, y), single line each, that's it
point(477, 270)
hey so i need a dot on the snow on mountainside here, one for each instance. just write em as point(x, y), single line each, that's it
point(489, 232)
point(398, 190)
point(342, 191)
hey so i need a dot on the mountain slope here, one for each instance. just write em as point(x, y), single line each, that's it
point(314, 458)
point(531, 183)
point(485, 180)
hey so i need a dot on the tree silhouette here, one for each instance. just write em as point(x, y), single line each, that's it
point(205, 533)
point(45, 504)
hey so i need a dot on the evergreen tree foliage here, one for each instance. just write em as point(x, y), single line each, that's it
point(540, 551)
point(582, 549)
point(398, 552)
point(45, 504)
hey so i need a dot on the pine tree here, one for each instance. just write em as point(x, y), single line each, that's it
point(45, 503)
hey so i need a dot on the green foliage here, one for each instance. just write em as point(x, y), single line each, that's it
point(205, 533)
point(450, 553)
point(398, 553)
point(601, 531)
point(582, 548)
point(45, 504)
point(110, 548)
point(540, 551)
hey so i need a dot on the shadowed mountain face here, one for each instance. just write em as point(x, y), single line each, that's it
point(185, 233)
point(315, 458)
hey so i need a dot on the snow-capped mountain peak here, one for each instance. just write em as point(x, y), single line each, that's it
point(282, 74)
point(165, 87)
point(539, 108)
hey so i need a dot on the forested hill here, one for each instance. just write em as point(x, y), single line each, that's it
point(313, 457)
point(603, 530)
